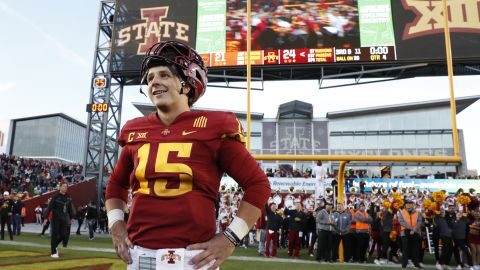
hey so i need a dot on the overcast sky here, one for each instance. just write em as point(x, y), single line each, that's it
point(46, 59)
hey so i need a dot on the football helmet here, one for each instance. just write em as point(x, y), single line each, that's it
point(186, 60)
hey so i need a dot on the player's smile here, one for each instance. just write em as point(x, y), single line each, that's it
point(158, 92)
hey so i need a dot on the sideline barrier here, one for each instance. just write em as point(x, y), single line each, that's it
point(82, 193)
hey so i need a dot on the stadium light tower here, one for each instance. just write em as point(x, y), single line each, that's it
point(105, 105)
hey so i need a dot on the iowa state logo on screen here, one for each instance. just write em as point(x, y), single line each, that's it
point(155, 28)
point(463, 16)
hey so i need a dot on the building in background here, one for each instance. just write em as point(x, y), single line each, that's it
point(52, 137)
point(2, 138)
point(410, 129)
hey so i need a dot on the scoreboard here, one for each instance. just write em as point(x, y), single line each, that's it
point(297, 32)
point(301, 56)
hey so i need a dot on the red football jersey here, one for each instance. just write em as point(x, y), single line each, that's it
point(174, 172)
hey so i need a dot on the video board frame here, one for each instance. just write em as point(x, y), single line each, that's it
point(345, 32)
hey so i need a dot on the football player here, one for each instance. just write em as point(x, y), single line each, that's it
point(173, 161)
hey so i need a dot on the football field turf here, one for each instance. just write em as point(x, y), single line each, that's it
point(31, 252)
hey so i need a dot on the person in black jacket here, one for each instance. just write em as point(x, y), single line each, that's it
point(63, 212)
point(284, 233)
point(6, 205)
point(295, 233)
point(274, 223)
point(17, 214)
point(311, 232)
point(445, 225)
point(386, 221)
point(81, 210)
point(102, 220)
point(435, 239)
point(92, 216)
point(375, 230)
point(459, 233)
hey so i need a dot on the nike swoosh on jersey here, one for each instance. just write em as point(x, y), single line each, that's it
point(188, 132)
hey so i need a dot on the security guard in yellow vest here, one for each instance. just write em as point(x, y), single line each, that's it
point(411, 222)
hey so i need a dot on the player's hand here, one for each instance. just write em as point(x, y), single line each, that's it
point(215, 251)
point(121, 242)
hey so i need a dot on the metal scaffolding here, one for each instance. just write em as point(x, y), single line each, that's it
point(103, 127)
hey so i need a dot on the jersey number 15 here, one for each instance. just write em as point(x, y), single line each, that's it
point(162, 166)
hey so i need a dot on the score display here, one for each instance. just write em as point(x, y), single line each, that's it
point(97, 107)
point(301, 56)
point(365, 54)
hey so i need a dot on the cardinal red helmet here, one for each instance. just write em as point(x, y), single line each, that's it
point(186, 60)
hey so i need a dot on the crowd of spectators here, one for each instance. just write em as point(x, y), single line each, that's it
point(373, 225)
point(32, 177)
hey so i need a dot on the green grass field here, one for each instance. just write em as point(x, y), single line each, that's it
point(33, 253)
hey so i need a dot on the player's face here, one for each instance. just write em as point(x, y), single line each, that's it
point(63, 188)
point(298, 206)
point(164, 88)
point(409, 206)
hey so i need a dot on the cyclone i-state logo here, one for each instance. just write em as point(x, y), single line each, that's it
point(463, 16)
point(171, 257)
point(154, 29)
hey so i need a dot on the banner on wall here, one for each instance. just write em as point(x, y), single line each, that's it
point(450, 185)
point(308, 184)
point(282, 183)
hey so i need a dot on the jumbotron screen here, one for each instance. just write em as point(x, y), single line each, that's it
point(286, 32)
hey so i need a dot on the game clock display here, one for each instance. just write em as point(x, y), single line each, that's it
point(97, 107)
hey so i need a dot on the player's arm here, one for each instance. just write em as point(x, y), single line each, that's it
point(418, 226)
point(116, 203)
point(49, 208)
point(72, 211)
point(235, 160)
